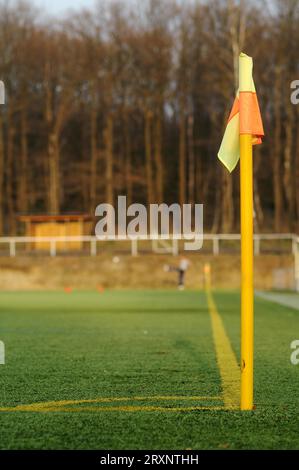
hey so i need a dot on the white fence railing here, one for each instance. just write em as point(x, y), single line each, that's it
point(91, 244)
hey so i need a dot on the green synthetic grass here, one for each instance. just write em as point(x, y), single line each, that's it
point(124, 344)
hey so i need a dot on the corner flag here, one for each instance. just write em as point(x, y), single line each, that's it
point(244, 129)
point(245, 117)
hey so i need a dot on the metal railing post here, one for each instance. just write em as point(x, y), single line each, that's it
point(294, 245)
point(93, 247)
point(53, 248)
point(215, 246)
point(12, 248)
point(175, 247)
point(257, 245)
point(134, 247)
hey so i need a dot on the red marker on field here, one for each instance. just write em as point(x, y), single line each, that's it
point(68, 289)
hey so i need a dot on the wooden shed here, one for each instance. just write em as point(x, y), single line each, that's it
point(57, 226)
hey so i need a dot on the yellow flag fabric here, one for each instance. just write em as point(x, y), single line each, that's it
point(245, 117)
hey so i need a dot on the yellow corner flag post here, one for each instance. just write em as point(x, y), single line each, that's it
point(244, 129)
point(247, 295)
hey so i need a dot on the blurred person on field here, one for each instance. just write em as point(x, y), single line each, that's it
point(181, 269)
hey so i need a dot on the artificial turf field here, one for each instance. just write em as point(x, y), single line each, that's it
point(139, 370)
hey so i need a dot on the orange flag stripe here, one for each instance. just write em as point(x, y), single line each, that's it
point(250, 119)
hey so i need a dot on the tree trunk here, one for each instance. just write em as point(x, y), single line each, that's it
point(227, 202)
point(52, 171)
point(182, 160)
point(54, 177)
point(198, 190)
point(191, 159)
point(93, 159)
point(277, 187)
point(296, 177)
point(158, 157)
point(289, 164)
point(237, 30)
point(108, 140)
point(148, 157)
point(23, 173)
point(258, 210)
point(128, 157)
point(217, 205)
point(9, 177)
point(1, 176)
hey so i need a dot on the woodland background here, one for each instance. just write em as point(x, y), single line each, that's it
point(132, 99)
